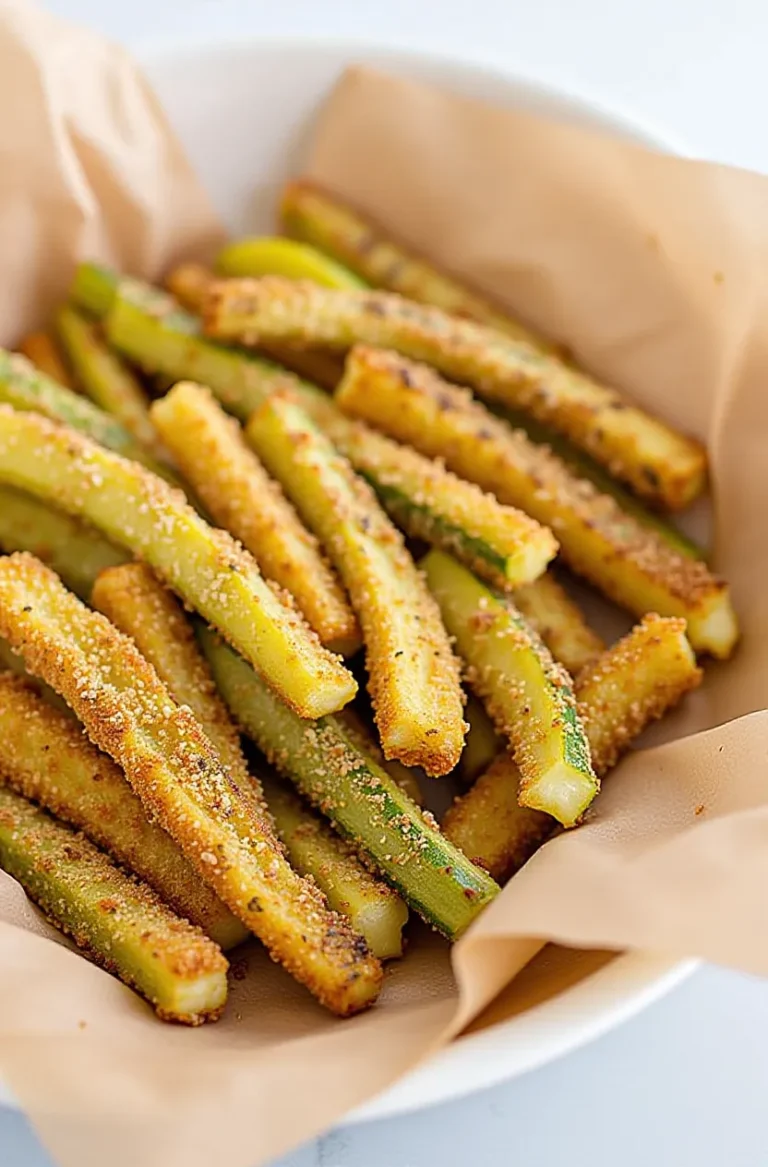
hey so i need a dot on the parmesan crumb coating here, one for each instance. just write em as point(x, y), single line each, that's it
point(210, 449)
point(135, 601)
point(635, 682)
point(174, 770)
point(630, 563)
point(206, 567)
point(660, 464)
point(47, 758)
point(413, 673)
point(117, 921)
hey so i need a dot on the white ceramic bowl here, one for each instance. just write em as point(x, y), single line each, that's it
point(243, 112)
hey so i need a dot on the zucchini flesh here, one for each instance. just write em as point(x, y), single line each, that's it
point(373, 908)
point(212, 453)
point(660, 464)
point(413, 674)
point(182, 783)
point(630, 563)
point(47, 758)
point(364, 803)
point(139, 511)
point(528, 695)
point(118, 922)
point(633, 683)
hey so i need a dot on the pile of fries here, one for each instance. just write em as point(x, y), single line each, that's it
point(217, 498)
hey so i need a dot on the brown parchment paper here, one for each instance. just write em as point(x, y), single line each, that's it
point(655, 271)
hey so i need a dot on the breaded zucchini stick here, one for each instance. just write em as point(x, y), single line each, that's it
point(206, 567)
point(74, 551)
point(47, 758)
point(628, 562)
point(189, 283)
point(585, 467)
point(659, 464)
point(635, 682)
point(502, 544)
point(143, 609)
point(527, 694)
point(425, 499)
point(118, 922)
point(26, 389)
point(135, 601)
point(182, 783)
point(108, 382)
point(550, 611)
point(266, 255)
point(413, 674)
point(315, 216)
point(42, 350)
point(211, 451)
point(365, 804)
point(374, 909)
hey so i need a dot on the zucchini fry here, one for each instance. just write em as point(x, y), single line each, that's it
point(314, 216)
point(314, 849)
point(25, 389)
point(151, 330)
point(206, 567)
point(47, 758)
point(364, 803)
point(551, 612)
point(585, 467)
point(42, 350)
point(527, 694)
point(659, 464)
point(189, 283)
point(635, 682)
point(182, 783)
point(74, 551)
point(627, 561)
point(502, 544)
point(275, 256)
point(105, 379)
point(135, 601)
point(118, 922)
point(210, 450)
point(413, 675)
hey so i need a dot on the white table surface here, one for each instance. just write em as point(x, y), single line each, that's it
point(685, 1083)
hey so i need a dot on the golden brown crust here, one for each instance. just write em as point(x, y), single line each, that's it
point(636, 681)
point(559, 622)
point(173, 768)
point(212, 454)
point(41, 349)
point(660, 464)
point(604, 689)
point(424, 409)
point(413, 675)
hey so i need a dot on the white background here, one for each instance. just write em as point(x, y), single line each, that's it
point(687, 1082)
